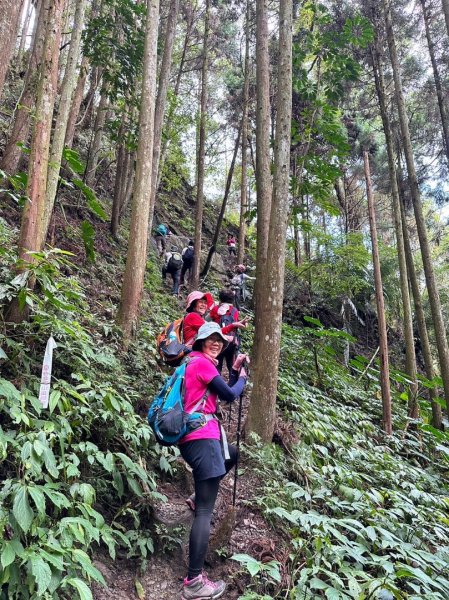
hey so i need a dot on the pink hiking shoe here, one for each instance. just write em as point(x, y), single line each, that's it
point(202, 588)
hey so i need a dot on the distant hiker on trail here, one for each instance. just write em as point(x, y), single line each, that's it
point(197, 305)
point(161, 234)
point(188, 254)
point(173, 265)
point(209, 458)
point(230, 243)
point(224, 314)
point(238, 284)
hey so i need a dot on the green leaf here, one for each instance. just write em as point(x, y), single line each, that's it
point(73, 160)
point(312, 320)
point(22, 509)
point(38, 498)
point(3, 355)
point(41, 572)
point(82, 589)
point(8, 554)
point(88, 236)
point(92, 201)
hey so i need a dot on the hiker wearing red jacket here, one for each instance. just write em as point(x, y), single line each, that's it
point(197, 305)
point(225, 313)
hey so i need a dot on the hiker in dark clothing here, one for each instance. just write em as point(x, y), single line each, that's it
point(188, 255)
point(172, 265)
point(203, 451)
point(161, 234)
point(224, 314)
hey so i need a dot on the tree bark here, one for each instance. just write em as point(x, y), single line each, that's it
point(133, 277)
point(263, 165)
point(9, 20)
point(436, 78)
point(161, 99)
point(445, 4)
point(201, 153)
point(68, 86)
point(434, 298)
point(410, 357)
point(21, 123)
point(171, 112)
point(262, 410)
point(34, 209)
point(244, 181)
point(383, 341)
point(437, 419)
point(76, 103)
point(95, 147)
point(28, 7)
point(213, 246)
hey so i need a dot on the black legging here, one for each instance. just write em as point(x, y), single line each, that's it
point(205, 495)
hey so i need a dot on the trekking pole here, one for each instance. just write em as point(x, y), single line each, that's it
point(239, 425)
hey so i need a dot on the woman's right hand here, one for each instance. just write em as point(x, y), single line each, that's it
point(241, 358)
point(241, 324)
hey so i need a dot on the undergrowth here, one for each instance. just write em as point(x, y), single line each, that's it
point(82, 472)
point(363, 516)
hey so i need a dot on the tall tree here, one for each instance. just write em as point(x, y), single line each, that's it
point(410, 357)
point(34, 209)
point(200, 170)
point(445, 4)
point(262, 412)
point(381, 320)
point(221, 214)
point(244, 180)
point(21, 120)
point(436, 77)
point(419, 309)
point(263, 164)
point(10, 11)
point(133, 277)
point(432, 289)
point(77, 98)
point(68, 85)
point(161, 99)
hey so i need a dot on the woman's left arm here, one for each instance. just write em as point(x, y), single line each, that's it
point(225, 392)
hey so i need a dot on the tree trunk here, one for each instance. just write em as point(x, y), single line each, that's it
point(436, 78)
point(21, 124)
point(161, 99)
point(28, 7)
point(201, 154)
point(76, 103)
point(9, 20)
point(410, 360)
point(34, 209)
point(171, 112)
point(263, 165)
point(213, 247)
point(434, 298)
point(437, 418)
point(383, 341)
point(445, 4)
point(262, 410)
point(94, 150)
point(133, 277)
point(244, 181)
point(68, 86)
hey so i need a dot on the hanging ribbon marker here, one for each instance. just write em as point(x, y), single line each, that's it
point(44, 391)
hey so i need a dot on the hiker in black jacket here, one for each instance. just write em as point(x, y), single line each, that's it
point(188, 254)
point(172, 265)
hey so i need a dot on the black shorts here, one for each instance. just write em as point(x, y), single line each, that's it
point(205, 457)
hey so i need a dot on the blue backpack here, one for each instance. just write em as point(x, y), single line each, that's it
point(166, 415)
point(161, 229)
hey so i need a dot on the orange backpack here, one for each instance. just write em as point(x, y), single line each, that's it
point(170, 343)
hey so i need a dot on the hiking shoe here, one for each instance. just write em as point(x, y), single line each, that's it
point(202, 588)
